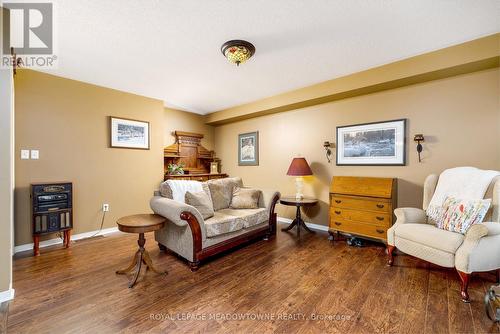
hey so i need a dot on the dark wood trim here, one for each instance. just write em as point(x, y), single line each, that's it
point(273, 217)
point(390, 257)
point(464, 284)
point(233, 242)
point(194, 225)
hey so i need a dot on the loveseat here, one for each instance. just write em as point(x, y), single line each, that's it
point(194, 238)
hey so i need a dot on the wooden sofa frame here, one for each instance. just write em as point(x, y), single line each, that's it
point(200, 254)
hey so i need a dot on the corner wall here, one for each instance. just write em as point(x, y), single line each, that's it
point(68, 122)
point(6, 183)
point(459, 117)
point(190, 122)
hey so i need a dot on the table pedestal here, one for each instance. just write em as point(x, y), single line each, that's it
point(297, 222)
point(140, 257)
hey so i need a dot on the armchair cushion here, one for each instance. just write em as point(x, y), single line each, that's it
point(222, 223)
point(250, 217)
point(430, 236)
point(245, 198)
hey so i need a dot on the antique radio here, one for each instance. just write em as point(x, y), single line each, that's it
point(52, 210)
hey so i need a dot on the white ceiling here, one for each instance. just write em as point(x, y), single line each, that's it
point(170, 50)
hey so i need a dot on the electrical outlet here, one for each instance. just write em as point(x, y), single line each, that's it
point(105, 207)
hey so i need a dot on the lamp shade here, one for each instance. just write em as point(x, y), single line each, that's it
point(299, 167)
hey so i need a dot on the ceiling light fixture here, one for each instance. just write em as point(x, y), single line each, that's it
point(238, 51)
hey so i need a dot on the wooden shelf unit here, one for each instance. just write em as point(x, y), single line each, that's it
point(196, 159)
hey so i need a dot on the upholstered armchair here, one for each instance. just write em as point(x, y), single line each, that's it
point(476, 251)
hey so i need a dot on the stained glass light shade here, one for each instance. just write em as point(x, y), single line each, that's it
point(238, 51)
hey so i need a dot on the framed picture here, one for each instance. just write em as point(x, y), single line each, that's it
point(129, 133)
point(248, 149)
point(380, 143)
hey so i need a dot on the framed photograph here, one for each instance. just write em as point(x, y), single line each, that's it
point(129, 133)
point(380, 143)
point(248, 149)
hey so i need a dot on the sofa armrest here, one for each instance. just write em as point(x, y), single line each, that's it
point(172, 210)
point(493, 228)
point(477, 234)
point(410, 216)
point(268, 199)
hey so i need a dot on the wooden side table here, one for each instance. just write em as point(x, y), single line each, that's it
point(140, 224)
point(304, 202)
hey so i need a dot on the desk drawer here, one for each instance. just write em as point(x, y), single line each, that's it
point(369, 217)
point(367, 230)
point(361, 203)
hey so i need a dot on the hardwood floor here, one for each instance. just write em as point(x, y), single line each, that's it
point(76, 290)
point(4, 312)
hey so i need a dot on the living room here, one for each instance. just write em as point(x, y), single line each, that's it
point(233, 150)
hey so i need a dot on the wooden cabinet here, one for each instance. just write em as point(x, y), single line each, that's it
point(363, 205)
point(195, 177)
point(188, 151)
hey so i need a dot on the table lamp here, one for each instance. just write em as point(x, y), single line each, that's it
point(299, 167)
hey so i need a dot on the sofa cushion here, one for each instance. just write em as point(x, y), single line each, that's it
point(221, 191)
point(250, 217)
point(222, 223)
point(202, 202)
point(245, 198)
point(431, 236)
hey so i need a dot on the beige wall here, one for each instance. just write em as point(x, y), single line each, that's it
point(6, 177)
point(459, 117)
point(190, 122)
point(68, 122)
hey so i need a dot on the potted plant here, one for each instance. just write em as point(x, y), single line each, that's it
point(175, 169)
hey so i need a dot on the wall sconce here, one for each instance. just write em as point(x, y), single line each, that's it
point(327, 145)
point(419, 138)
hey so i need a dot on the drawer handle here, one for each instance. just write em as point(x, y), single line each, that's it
point(338, 224)
point(337, 201)
point(380, 218)
point(337, 212)
point(380, 206)
point(380, 231)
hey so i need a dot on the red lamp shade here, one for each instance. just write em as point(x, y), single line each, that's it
point(299, 167)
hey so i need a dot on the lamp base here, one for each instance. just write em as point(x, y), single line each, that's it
point(299, 185)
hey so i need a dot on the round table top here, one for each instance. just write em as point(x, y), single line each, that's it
point(306, 201)
point(140, 223)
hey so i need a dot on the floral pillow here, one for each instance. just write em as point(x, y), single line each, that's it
point(457, 215)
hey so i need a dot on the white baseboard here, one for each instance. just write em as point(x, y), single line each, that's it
point(7, 295)
point(56, 241)
point(310, 225)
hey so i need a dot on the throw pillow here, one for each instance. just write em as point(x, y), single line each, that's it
point(245, 198)
point(201, 202)
point(457, 215)
point(221, 191)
